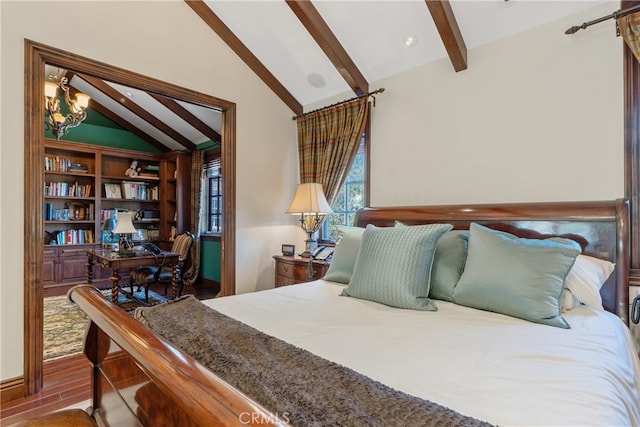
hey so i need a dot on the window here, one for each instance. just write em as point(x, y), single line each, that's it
point(352, 196)
point(212, 189)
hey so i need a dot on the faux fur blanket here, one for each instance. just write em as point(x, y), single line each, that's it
point(294, 384)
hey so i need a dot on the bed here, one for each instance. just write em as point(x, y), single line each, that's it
point(479, 363)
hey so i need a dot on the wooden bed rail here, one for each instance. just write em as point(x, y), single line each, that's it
point(159, 384)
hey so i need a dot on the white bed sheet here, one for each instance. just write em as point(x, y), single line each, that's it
point(493, 367)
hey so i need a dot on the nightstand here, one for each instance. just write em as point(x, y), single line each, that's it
point(291, 270)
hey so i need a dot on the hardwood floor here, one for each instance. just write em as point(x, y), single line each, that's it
point(67, 381)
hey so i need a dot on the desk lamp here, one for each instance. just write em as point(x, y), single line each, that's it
point(310, 202)
point(124, 227)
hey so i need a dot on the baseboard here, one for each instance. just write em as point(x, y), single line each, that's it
point(215, 285)
point(11, 389)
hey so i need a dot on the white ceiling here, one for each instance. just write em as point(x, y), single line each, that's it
point(372, 32)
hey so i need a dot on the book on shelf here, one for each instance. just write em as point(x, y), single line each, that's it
point(61, 164)
point(64, 189)
point(153, 234)
point(74, 237)
point(148, 175)
point(76, 211)
point(78, 167)
point(108, 213)
point(139, 191)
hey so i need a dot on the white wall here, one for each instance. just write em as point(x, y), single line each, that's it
point(535, 117)
point(167, 41)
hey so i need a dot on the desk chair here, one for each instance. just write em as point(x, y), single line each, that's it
point(147, 275)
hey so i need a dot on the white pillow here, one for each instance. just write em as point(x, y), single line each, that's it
point(567, 300)
point(584, 281)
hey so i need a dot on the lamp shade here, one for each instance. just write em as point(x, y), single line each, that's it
point(82, 100)
point(124, 224)
point(50, 89)
point(309, 198)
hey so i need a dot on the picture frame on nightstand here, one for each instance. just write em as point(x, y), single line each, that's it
point(288, 250)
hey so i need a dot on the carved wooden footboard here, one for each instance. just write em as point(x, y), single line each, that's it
point(140, 379)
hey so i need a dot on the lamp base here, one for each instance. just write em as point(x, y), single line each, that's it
point(125, 248)
point(310, 245)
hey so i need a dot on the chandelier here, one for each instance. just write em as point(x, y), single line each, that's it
point(56, 121)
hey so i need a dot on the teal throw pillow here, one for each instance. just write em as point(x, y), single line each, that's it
point(516, 276)
point(393, 266)
point(448, 264)
point(345, 253)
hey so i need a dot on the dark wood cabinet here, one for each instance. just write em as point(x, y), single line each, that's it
point(292, 270)
point(64, 266)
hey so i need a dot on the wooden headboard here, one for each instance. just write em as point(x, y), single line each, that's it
point(601, 228)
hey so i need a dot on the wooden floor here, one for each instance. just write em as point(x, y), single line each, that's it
point(67, 381)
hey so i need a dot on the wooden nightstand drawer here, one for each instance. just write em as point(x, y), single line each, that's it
point(292, 270)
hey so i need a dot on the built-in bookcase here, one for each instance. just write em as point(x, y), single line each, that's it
point(86, 184)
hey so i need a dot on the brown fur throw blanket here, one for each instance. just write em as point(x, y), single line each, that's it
point(297, 386)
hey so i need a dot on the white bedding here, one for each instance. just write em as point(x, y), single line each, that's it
point(496, 368)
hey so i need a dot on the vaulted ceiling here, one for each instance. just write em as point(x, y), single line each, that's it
point(310, 51)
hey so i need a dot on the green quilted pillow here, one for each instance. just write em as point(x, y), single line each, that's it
point(515, 276)
point(393, 266)
point(345, 253)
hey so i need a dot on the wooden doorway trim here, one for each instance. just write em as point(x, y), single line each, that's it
point(631, 73)
point(36, 56)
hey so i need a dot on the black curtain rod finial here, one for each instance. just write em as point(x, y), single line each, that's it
point(615, 15)
point(573, 29)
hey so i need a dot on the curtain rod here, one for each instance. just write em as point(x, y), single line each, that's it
point(615, 15)
point(342, 102)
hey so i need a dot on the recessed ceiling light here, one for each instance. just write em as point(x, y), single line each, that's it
point(316, 80)
point(129, 94)
point(410, 41)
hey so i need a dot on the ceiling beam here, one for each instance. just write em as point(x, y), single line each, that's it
point(449, 31)
point(188, 117)
point(137, 110)
point(99, 108)
point(123, 123)
point(330, 45)
point(219, 27)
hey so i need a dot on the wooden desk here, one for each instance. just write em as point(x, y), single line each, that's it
point(109, 259)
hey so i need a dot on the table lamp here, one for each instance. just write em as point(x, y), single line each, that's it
point(124, 227)
point(311, 204)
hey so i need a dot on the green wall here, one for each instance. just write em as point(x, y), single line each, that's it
point(99, 130)
point(210, 256)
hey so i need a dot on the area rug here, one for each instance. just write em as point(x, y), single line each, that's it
point(64, 322)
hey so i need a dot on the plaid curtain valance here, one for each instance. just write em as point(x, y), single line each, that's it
point(328, 141)
point(629, 26)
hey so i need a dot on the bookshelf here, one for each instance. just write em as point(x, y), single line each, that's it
point(176, 205)
point(86, 184)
